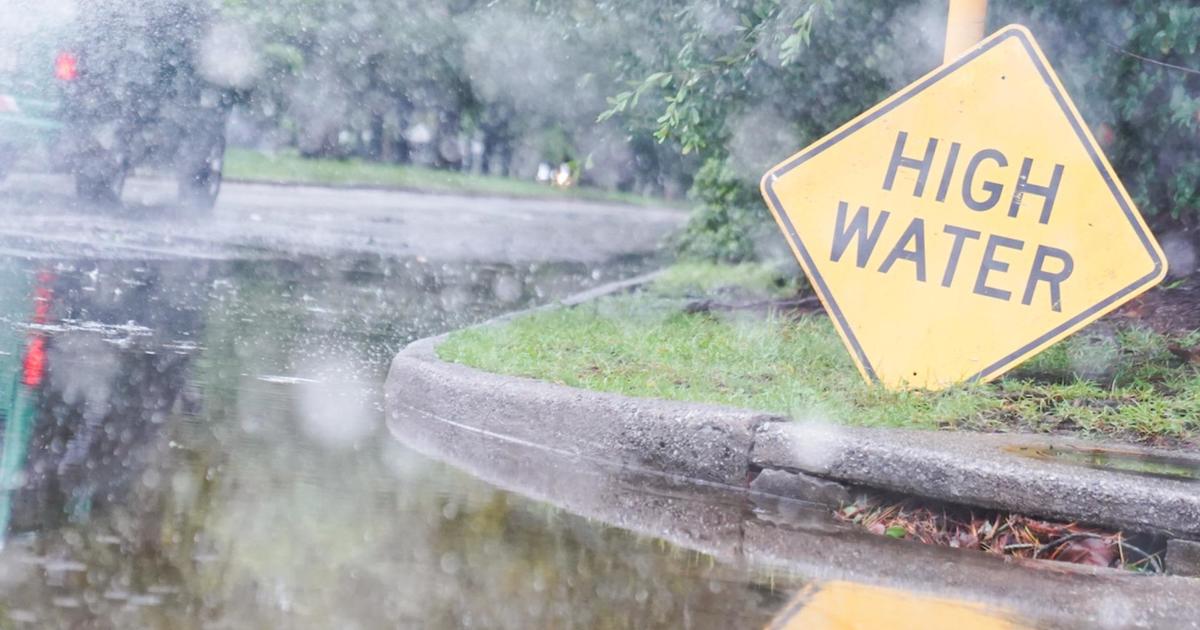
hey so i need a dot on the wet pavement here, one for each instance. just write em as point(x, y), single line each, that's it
point(40, 217)
point(193, 437)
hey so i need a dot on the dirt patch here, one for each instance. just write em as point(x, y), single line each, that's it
point(1171, 309)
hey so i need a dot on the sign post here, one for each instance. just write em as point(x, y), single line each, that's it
point(965, 24)
point(964, 224)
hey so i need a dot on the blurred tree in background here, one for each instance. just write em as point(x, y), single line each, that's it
point(752, 81)
point(755, 80)
point(1133, 67)
point(658, 97)
point(493, 87)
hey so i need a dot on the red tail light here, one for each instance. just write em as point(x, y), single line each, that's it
point(66, 67)
point(34, 367)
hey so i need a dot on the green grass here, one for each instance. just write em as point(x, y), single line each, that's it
point(1121, 384)
point(289, 167)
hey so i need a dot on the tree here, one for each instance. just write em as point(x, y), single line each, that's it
point(349, 76)
point(752, 81)
point(1134, 70)
point(746, 82)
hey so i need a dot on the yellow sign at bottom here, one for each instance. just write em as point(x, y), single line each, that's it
point(964, 224)
point(849, 606)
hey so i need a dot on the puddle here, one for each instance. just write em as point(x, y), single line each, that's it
point(199, 444)
point(1130, 462)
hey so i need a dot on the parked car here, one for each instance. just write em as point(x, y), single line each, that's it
point(115, 87)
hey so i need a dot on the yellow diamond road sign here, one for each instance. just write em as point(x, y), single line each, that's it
point(964, 224)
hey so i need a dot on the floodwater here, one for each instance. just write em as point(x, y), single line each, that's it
point(202, 444)
point(197, 444)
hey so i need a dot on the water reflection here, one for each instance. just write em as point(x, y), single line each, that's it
point(203, 447)
point(1125, 461)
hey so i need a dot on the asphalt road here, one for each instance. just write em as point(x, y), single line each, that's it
point(40, 217)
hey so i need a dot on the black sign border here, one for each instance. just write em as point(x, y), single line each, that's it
point(900, 98)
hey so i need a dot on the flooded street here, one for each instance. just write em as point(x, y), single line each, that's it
point(206, 449)
point(200, 441)
point(471, 314)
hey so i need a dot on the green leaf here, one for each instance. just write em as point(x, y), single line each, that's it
point(896, 531)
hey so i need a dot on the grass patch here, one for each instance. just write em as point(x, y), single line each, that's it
point(289, 167)
point(1122, 384)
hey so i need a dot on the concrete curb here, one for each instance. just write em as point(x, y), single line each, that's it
point(698, 441)
point(733, 446)
point(753, 532)
point(983, 470)
point(703, 442)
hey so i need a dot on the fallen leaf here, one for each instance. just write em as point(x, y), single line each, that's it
point(1092, 551)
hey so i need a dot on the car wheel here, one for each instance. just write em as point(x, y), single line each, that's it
point(200, 173)
point(100, 181)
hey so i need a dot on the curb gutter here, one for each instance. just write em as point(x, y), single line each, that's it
point(755, 531)
point(987, 470)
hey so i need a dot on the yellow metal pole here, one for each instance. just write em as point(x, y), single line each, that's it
point(965, 22)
